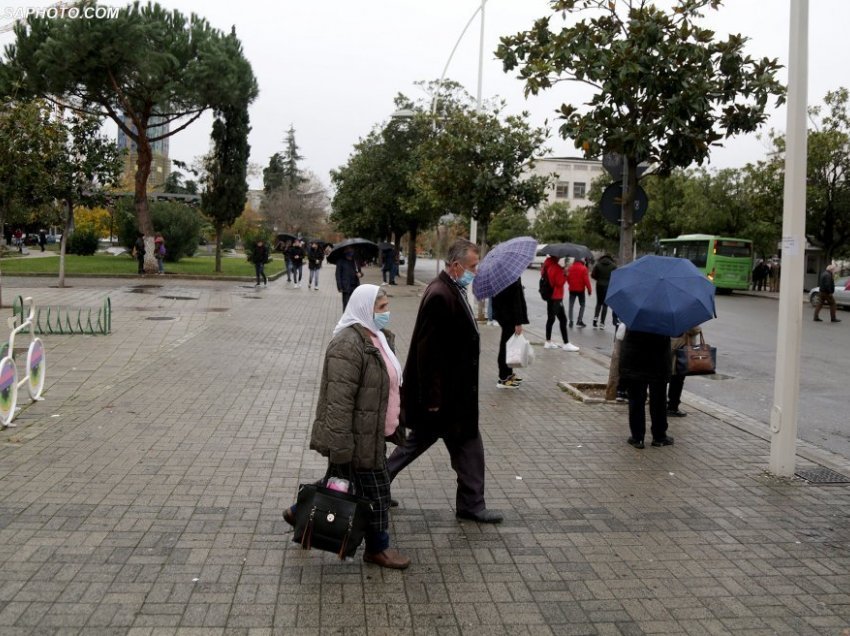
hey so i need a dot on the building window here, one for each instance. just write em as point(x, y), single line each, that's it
point(562, 190)
point(578, 190)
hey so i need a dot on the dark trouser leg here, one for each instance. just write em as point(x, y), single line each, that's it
point(562, 320)
point(467, 458)
point(416, 443)
point(637, 408)
point(504, 370)
point(580, 307)
point(551, 310)
point(674, 393)
point(257, 268)
point(345, 297)
point(601, 295)
point(658, 409)
point(573, 296)
point(141, 259)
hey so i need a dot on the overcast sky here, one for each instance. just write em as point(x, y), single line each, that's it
point(331, 68)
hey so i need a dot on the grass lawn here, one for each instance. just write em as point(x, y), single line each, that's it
point(105, 264)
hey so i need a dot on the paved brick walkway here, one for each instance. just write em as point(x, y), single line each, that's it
point(143, 496)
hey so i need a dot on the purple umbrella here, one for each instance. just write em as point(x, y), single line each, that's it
point(503, 265)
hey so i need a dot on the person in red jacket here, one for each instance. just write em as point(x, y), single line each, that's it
point(578, 280)
point(553, 270)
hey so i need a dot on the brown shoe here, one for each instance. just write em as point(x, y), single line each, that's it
point(289, 517)
point(389, 558)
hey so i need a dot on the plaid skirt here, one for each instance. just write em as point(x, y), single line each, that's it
point(373, 485)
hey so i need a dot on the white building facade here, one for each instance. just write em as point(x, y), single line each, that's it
point(569, 180)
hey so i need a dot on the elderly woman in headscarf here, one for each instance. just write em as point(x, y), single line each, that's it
point(358, 409)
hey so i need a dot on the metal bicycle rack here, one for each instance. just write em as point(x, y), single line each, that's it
point(68, 320)
point(36, 365)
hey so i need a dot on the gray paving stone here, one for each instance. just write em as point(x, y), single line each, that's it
point(151, 505)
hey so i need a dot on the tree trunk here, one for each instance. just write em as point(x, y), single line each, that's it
point(218, 230)
point(411, 253)
point(143, 217)
point(627, 226)
point(63, 243)
point(613, 372)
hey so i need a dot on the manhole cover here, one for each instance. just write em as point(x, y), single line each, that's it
point(159, 318)
point(822, 476)
point(179, 297)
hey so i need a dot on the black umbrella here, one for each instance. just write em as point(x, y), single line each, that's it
point(286, 236)
point(565, 250)
point(385, 246)
point(363, 249)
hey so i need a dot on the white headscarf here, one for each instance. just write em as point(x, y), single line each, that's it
point(361, 311)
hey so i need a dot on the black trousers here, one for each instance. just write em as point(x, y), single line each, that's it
point(601, 293)
point(674, 392)
point(504, 370)
point(555, 309)
point(467, 459)
point(657, 408)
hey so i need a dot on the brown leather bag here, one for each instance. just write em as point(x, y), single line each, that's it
point(699, 359)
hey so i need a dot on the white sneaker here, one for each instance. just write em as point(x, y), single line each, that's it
point(551, 345)
point(569, 347)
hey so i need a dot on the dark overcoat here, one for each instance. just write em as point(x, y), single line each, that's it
point(442, 364)
point(509, 308)
point(645, 356)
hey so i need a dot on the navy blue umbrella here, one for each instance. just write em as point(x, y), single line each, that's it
point(661, 294)
point(503, 265)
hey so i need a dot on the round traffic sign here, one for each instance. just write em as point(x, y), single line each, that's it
point(612, 203)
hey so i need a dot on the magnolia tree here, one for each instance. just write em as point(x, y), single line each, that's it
point(665, 89)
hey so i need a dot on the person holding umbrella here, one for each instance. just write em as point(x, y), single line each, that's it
point(557, 278)
point(511, 312)
point(348, 275)
point(645, 363)
point(656, 297)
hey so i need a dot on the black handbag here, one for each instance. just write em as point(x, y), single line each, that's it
point(330, 520)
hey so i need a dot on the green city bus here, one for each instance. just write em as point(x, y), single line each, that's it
point(727, 262)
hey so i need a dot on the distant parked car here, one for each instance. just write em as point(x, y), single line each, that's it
point(842, 293)
point(537, 261)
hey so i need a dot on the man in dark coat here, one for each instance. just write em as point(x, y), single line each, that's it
point(645, 363)
point(825, 293)
point(440, 389)
point(347, 276)
point(511, 312)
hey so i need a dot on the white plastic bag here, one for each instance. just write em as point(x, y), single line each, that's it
point(518, 352)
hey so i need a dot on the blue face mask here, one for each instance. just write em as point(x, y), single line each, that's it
point(465, 278)
point(382, 320)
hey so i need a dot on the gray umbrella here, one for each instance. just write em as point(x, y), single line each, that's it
point(363, 249)
point(565, 250)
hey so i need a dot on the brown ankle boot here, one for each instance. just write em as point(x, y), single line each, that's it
point(389, 558)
